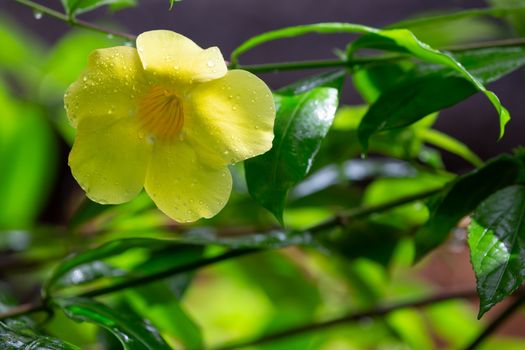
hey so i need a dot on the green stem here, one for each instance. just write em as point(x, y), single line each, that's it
point(167, 273)
point(303, 65)
point(319, 64)
point(352, 317)
point(338, 220)
point(74, 21)
point(344, 218)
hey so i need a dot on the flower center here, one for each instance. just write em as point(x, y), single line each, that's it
point(161, 113)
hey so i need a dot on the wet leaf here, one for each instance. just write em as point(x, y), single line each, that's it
point(497, 245)
point(133, 332)
point(302, 122)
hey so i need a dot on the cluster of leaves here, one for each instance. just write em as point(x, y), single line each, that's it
point(310, 181)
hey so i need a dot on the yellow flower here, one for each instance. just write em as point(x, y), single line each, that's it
point(169, 117)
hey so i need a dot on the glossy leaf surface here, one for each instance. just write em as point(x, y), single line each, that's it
point(302, 122)
point(133, 332)
point(462, 197)
point(431, 88)
point(12, 340)
point(107, 250)
point(497, 245)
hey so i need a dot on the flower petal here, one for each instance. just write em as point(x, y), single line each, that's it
point(184, 188)
point(112, 80)
point(230, 118)
point(109, 159)
point(177, 58)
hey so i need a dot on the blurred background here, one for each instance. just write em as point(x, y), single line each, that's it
point(41, 56)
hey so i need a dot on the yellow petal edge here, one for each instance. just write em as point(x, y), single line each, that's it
point(168, 117)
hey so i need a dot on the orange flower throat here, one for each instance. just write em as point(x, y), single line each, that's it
point(161, 113)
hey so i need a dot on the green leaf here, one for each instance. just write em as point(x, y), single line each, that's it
point(372, 80)
point(19, 334)
point(388, 189)
point(133, 332)
point(408, 102)
point(86, 273)
point(497, 245)
point(397, 40)
point(415, 98)
point(342, 143)
point(462, 197)
point(20, 324)
point(292, 32)
point(74, 7)
point(422, 93)
point(158, 302)
point(302, 121)
point(105, 251)
point(27, 161)
point(450, 144)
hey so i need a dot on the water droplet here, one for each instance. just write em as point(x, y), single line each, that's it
point(84, 79)
point(234, 108)
point(38, 14)
point(110, 36)
point(211, 63)
point(256, 126)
